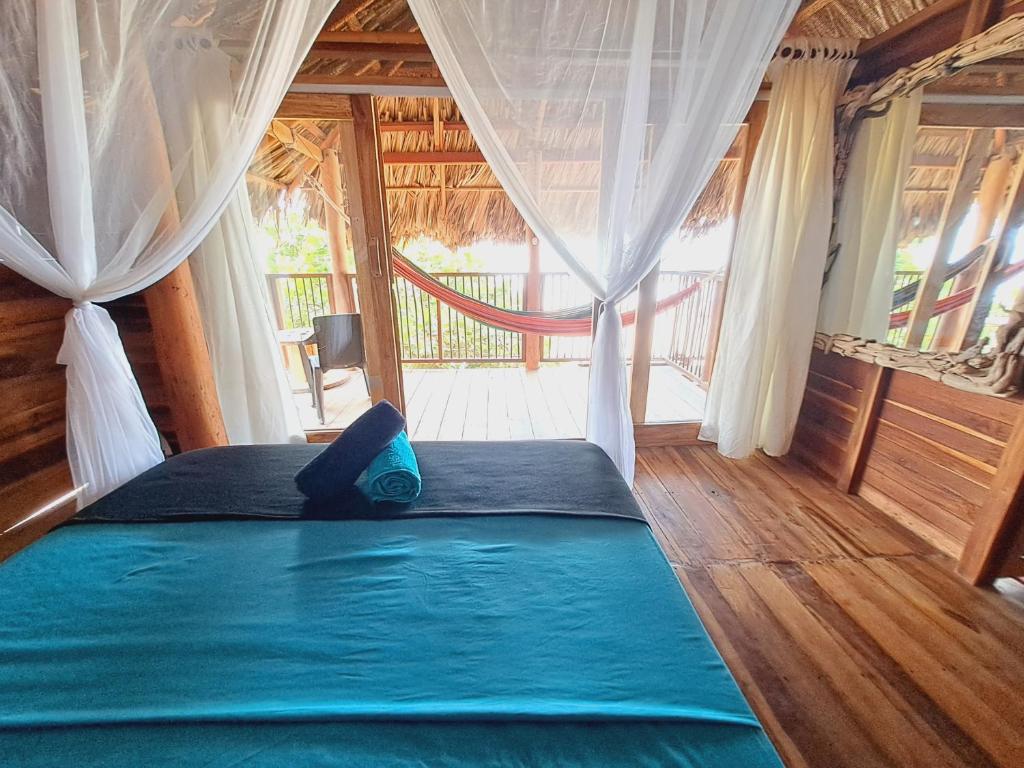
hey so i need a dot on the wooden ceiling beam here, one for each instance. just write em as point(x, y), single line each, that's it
point(434, 158)
point(477, 158)
point(973, 115)
point(371, 81)
point(372, 38)
point(426, 126)
point(372, 52)
point(314, 106)
point(981, 14)
point(927, 32)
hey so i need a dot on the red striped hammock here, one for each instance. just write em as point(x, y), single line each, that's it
point(516, 321)
point(953, 301)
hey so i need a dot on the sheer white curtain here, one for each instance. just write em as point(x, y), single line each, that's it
point(88, 204)
point(255, 397)
point(857, 297)
point(603, 120)
point(778, 258)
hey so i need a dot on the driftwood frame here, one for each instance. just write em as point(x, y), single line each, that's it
point(1001, 371)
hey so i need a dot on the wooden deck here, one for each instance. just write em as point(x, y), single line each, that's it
point(501, 403)
point(852, 638)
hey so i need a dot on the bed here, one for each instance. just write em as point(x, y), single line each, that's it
point(520, 613)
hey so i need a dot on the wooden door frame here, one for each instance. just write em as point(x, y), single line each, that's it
point(362, 171)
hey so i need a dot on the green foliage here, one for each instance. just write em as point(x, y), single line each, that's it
point(291, 242)
point(294, 243)
point(431, 256)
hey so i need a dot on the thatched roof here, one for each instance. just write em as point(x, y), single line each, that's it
point(370, 16)
point(928, 186)
point(460, 204)
point(854, 18)
point(934, 173)
point(826, 18)
point(454, 204)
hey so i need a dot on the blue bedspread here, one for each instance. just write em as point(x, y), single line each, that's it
point(492, 640)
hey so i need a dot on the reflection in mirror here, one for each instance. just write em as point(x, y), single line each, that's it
point(953, 257)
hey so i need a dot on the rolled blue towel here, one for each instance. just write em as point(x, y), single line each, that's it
point(334, 471)
point(394, 475)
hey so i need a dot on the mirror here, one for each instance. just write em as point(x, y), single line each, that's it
point(953, 214)
point(958, 226)
point(927, 252)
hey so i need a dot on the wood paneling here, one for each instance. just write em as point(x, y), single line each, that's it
point(853, 640)
point(996, 542)
point(835, 387)
point(931, 453)
point(132, 318)
point(33, 451)
point(33, 459)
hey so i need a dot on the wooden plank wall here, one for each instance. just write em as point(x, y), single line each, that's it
point(33, 459)
point(33, 454)
point(132, 319)
point(835, 386)
point(932, 452)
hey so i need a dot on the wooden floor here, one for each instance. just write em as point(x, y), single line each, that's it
point(853, 640)
point(506, 403)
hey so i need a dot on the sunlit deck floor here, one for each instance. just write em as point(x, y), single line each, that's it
point(494, 403)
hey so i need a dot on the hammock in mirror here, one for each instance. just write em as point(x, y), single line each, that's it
point(905, 295)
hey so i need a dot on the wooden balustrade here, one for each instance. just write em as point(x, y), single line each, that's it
point(433, 332)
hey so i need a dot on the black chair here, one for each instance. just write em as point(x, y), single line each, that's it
point(339, 346)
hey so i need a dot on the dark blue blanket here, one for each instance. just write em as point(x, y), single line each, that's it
point(255, 482)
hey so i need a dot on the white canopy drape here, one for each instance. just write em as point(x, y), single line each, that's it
point(88, 204)
point(255, 397)
point(603, 121)
point(778, 258)
point(857, 297)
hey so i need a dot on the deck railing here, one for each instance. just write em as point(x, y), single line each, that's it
point(298, 297)
point(433, 332)
point(693, 324)
point(901, 279)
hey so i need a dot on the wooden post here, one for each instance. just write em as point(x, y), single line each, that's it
point(756, 117)
point(330, 175)
point(981, 14)
point(993, 206)
point(643, 341)
point(998, 256)
point(531, 341)
point(957, 205)
point(184, 361)
point(752, 131)
point(862, 433)
point(1001, 516)
point(371, 241)
point(182, 355)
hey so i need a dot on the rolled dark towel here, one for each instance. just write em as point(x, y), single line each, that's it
point(394, 475)
point(334, 471)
